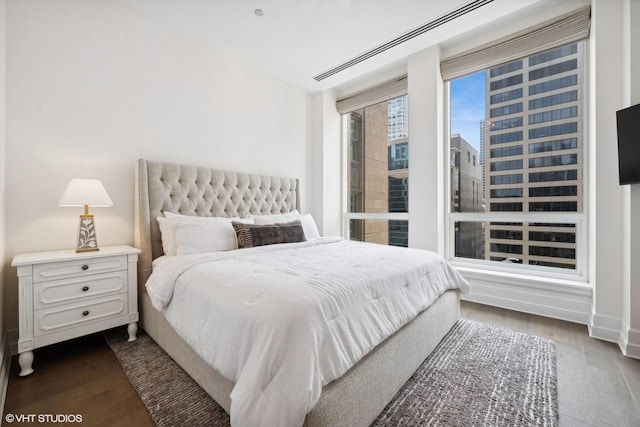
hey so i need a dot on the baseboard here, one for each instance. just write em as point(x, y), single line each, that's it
point(606, 328)
point(5, 366)
point(629, 341)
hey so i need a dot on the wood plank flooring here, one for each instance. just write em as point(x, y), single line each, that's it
point(597, 385)
point(81, 376)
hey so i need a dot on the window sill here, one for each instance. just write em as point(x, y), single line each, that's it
point(525, 279)
point(546, 296)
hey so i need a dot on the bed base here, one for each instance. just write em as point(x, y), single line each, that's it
point(356, 398)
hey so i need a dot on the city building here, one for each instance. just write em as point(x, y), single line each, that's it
point(379, 170)
point(466, 196)
point(534, 157)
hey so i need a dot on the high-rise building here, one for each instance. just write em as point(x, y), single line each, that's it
point(466, 196)
point(483, 133)
point(379, 170)
point(533, 155)
point(398, 167)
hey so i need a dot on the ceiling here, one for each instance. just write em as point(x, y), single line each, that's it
point(296, 40)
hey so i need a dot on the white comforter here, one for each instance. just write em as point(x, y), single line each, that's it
point(281, 321)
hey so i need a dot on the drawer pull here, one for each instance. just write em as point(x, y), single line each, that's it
point(85, 288)
point(85, 267)
point(85, 313)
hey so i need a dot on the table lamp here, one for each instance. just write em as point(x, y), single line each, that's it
point(86, 192)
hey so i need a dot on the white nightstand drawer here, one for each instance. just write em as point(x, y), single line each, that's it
point(51, 320)
point(67, 294)
point(46, 294)
point(78, 267)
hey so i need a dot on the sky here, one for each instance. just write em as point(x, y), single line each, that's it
point(467, 107)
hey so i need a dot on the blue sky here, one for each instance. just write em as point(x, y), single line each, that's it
point(467, 107)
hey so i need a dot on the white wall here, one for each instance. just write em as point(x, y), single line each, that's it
point(2, 196)
point(630, 337)
point(92, 86)
point(606, 195)
point(426, 132)
point(327, 153)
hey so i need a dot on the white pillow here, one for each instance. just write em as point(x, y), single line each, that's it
point(210, 236)
point(276, 218)
point(167, 236)
point(309, 227)
point(170, 224)
point(308, 224)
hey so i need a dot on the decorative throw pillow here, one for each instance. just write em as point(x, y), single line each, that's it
point(308, 224)
point(252, 235)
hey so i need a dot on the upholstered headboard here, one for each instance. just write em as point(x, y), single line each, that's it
point(199, 191)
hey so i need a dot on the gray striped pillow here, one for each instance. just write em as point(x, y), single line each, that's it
point(252, 235)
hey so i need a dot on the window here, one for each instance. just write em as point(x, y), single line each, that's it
point(514, 178)
point(557, 145)
point(563, 175)
point(506, 165)
point(506, 96)
point(509, 81)
point(506, 192)
point(562, 190)
point(531, 212)
point(553, 69)
point(398, 156)
point(559, 98)
point(506, 234)
point(553, 130)
point(553, 115)
point(565, 159)
point(550, 55)
point(515, 122)
point(553, 84)
point(515, 150)
point(507, 68)
point(377, 169)
point(507, 109)
point(505, 137)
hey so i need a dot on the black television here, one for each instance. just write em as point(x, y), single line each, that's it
point(628, 121)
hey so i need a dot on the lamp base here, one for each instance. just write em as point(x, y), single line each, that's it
point(87, 241)
point(87, 249)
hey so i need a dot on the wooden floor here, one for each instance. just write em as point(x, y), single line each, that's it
point(597, 385)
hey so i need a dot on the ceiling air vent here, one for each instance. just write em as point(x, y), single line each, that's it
point(404, 37)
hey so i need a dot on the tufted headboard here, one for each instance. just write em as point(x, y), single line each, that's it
point(192, 190)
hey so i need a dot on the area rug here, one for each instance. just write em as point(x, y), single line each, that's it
point(479, 375)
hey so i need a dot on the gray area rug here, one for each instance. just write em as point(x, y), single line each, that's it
point(479, 375)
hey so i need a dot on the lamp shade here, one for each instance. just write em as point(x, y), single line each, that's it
point(82, 192)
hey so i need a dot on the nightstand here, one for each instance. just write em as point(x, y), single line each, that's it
point(64, 295)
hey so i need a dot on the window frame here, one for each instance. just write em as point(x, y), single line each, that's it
point(346, 215)
point(581, 219)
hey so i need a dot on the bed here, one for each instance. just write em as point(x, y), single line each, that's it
point(364, 389)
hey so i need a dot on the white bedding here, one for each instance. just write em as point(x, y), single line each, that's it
point(281, 321)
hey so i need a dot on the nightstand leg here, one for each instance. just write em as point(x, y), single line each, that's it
point(132, 329)
point(25, 360)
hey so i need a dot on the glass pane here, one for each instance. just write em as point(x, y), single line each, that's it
point(544, 244)
point(523, 122)
point(386, 232)
point(379, 157)
point(378, 167)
